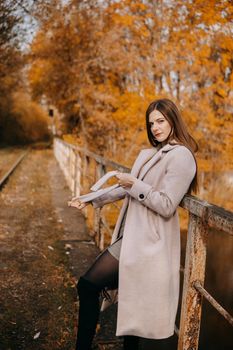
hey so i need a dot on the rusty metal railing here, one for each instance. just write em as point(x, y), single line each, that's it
point(82, 168)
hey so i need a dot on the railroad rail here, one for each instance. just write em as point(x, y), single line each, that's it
point(6, 176)
point(82, 167)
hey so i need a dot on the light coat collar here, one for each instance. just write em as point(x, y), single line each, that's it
point(150, 157)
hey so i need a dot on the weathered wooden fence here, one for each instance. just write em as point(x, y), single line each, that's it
point(82, 168)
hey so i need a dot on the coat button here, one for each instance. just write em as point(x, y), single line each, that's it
point(141, 196)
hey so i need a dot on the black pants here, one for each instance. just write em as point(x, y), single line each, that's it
point(103, 273)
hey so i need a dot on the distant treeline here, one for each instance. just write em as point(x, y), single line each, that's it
point(21, 119)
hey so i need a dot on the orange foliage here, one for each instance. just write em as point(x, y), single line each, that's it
point(101, 64)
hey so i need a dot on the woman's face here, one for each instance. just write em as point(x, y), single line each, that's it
point(159, 125)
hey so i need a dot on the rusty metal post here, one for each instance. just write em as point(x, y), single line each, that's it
point(99, 234)
point(195, 261)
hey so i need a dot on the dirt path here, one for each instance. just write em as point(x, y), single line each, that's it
point(38, 295)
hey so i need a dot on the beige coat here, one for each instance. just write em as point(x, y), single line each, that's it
point(150, 255)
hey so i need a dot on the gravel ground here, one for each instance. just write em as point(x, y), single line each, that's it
point(44, 247)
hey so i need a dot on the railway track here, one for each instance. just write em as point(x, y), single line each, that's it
point(7, 171)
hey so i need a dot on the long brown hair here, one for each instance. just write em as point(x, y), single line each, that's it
point(179, 131)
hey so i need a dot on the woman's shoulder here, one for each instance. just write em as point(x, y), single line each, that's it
point(182, 156)
point(182, 149)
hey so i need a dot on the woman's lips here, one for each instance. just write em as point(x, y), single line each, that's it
point(156, 135)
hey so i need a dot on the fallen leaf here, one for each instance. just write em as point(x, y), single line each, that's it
point(36, 335)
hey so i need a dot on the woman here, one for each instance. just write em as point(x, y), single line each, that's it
point(143, 259)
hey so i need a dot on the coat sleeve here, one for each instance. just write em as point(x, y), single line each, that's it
point(109, 197)
point(179, 174)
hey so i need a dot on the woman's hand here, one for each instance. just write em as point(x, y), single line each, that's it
point(125, 180)
point(77, 204)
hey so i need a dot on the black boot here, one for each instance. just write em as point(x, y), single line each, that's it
point(89, 308)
